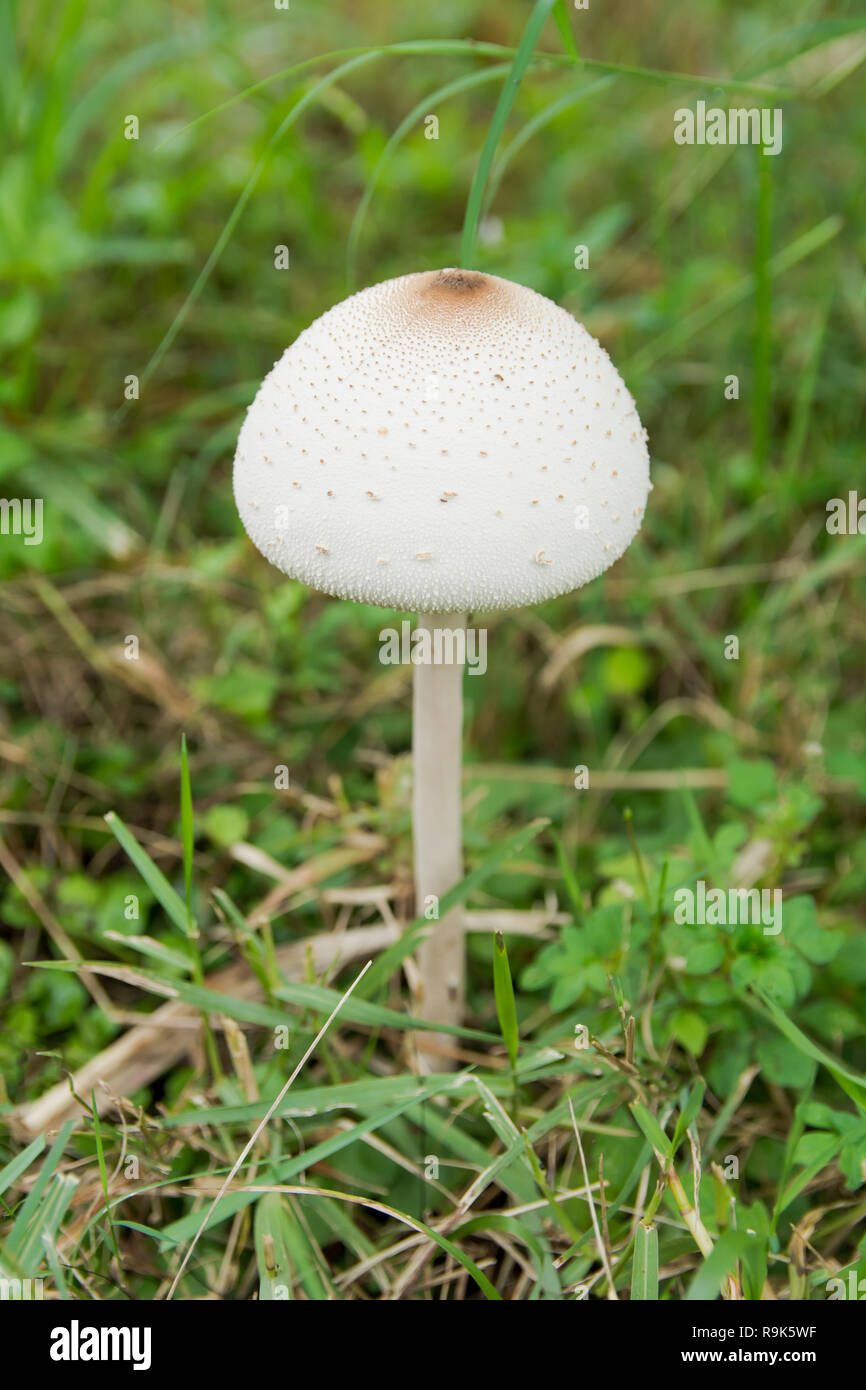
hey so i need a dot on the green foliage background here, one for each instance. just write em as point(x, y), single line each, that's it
point(154, 258)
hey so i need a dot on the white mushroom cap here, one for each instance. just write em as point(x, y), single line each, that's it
point(443, 442)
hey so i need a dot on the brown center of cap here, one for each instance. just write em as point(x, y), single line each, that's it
point(454, 301)
point(449, 284)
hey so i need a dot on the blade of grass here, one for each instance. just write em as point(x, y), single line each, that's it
point(272, 1252)
point(462, 84)
point(721, 1261)
point(155, 879)
point(510, 1225)
point(319, 997)
point(628, 817)
point(569, 877)
point(12, 1171)
point(185, 1226)
point(414, 47)
point(663, 1150)
point(187, 833)
point(154, 950)
point(503, 989)
point(762, 349)
point(103, 1177)
point(297, 1250)
point(852, 1084)
point(689, 1113)
point(652, 1130)
point(392, 958)
point(473, 48)
point(599, 1240)
point(307, 996)
point(416, 1225)
point(533, 126)
point(569, 43)
point(243, 198)
point(47, 1223)
point(705, 855)
point(799, 427)
point(307, 1101)
point(645, 1264)
point(820, 1162)
point(699, 319)
point(53, 1258)
point(31, 1203)
point(262, 1123)
point(522, 57)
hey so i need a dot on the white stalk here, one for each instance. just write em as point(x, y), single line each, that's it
point(437, 720)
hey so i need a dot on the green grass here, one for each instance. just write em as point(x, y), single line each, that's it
point(618, 1064)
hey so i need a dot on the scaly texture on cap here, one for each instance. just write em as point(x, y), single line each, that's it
point(443, 442)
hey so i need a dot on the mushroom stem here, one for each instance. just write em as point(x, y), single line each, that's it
point(436, 802)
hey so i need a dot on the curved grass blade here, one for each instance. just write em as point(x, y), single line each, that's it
point(289, 1168)
point(531, 35)
point(524, 55)
point(262, 1124)
point(155, 879)
point(212, 1002)
point(443, 1242)
point(473, 48)
point(461, 84)
point(243, 198)
point(852, 1084)
point(510, 1225)
point(154, 950)
point(119, 77)
point(542, 118)
point(432, 47)
point(320, 998)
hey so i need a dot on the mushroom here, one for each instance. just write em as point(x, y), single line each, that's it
point(451, 387)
